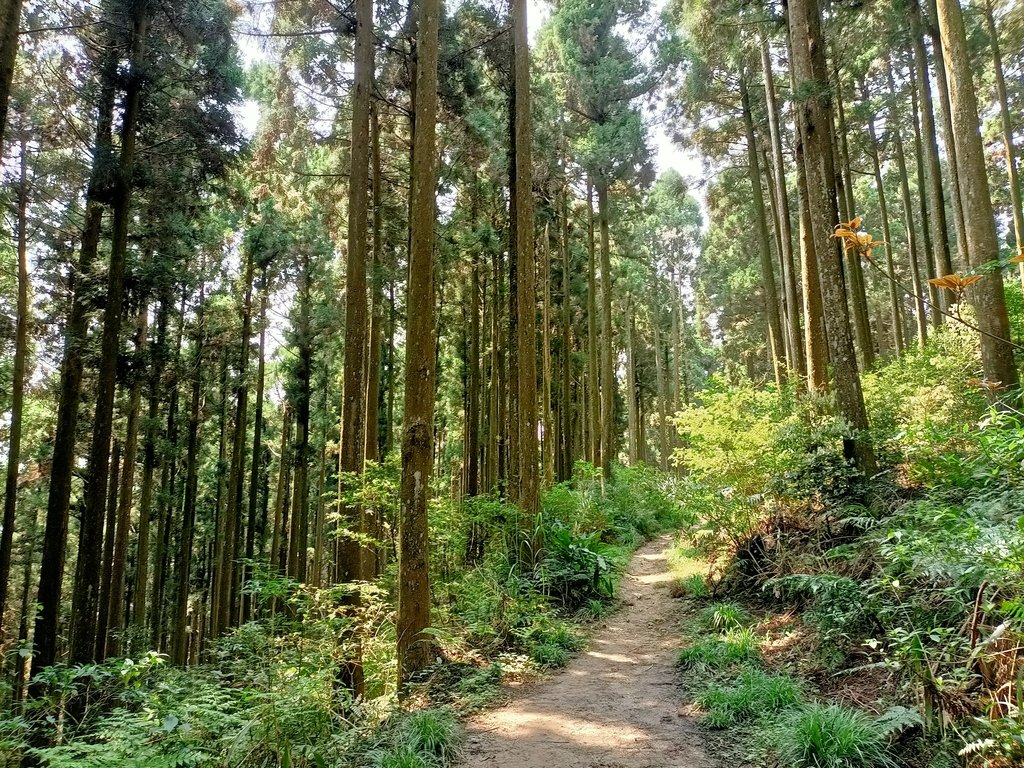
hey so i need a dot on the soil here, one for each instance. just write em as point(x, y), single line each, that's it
point(617, 705)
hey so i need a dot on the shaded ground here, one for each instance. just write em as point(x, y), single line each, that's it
point(616, 705)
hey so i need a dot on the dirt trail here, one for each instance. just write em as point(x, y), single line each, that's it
point(615, 706)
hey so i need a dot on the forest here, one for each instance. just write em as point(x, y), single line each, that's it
point(532, 384)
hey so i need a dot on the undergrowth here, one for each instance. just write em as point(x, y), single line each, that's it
point(900, 594)
point(267, 694)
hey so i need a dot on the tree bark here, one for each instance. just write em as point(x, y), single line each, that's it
point(180, 635)
point(106, 566)
point(918, 284)
point(565, 358)
point(784, 222)
point(415, 650)
point(257, 446)
point(815, 349)
point(10, 22)
point(349, 566)
point(526, 294)
point(814, 120)
point(85, 604)
point(895, 309)
point(51, 570)
point(940, 257)
point(119, 567)
point(21, 355)
point(771, 301)
point(855, 270)
point(608, 447)
point(1006, 123)
point(593, 356)
point(982, 244)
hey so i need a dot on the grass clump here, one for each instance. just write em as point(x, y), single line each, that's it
point(693, 586)
point(433, 732)
point(724, 617)
point(402, 757)
point(715, 653)
point(756, 694)
point(831, 736)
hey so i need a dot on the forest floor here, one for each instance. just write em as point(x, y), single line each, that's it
point(617, 705)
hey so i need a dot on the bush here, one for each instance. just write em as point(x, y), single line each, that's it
point(574, 568)
point(831, 736)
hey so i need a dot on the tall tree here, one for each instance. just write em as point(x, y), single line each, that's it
point(982, 243)
point(814, 120)
point(414, 647)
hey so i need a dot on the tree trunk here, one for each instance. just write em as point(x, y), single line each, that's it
point(226, 583)
point(21, 354)
point(415, 649)
point(548, 456)
point(895, 310)
point(949, 135)
point(632, 428)
point(10, 21)
point(179, 649)
point(257, 446)
point(349, 566)
point(855, 270)
point(608, 448)
point(815, 350)
point(119, 567)
point(565, 407)
point(106, 566)
point(659, 373)
point(771, 301)
point(1007, 127)
point(85, 604)
point(782, 207)
point(373, 409)
point(473, 412)
point(908, 217)
point(526, 295)
point(982, 243)
point(149, 463)
point(814, 120)
point(940, 258)
point(279, 537)
point(927, 249)
point(593, 356)
point(168, 486)
point(51, 570)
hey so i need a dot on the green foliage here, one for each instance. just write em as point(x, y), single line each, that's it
point(838, 604)
point(755, 694)
point(574, 568)
point(831, 736)
point(724, 616)
point(695, 586)
point(433, 732)
point(716, 653)
point(427, 738)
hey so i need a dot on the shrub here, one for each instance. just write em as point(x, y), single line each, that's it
point(831, 736)
point(574, 568)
